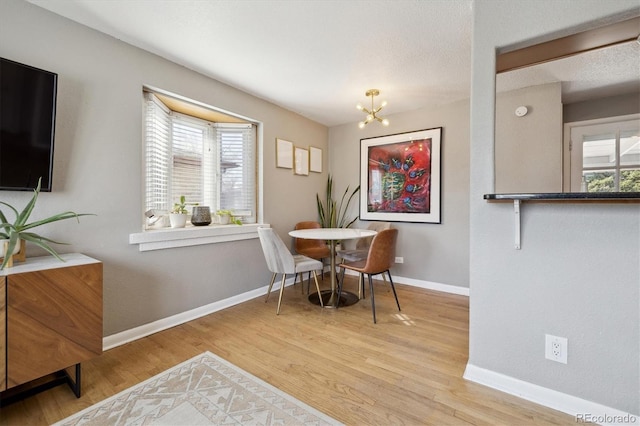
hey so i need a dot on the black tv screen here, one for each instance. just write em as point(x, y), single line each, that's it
point(27, 121)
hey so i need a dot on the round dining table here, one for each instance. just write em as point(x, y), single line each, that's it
point(333, 235)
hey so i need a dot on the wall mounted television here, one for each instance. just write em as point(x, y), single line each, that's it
point(27, 123)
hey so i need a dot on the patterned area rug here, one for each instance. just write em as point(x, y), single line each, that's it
point(205, 390)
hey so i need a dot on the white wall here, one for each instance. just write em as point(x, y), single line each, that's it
point(529, 148)
point(97, 167)
point(435, 253)
point(578, 273)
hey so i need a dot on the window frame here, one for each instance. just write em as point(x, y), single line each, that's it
point(574, 167)
point(164, 238)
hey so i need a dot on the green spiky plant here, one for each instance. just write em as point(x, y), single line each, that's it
point(331, 213)
point(19, 229)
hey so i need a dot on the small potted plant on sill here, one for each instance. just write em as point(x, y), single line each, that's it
point(226, 216)
point(14, 235)
point(179, 214)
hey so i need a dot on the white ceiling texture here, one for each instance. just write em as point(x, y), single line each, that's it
point(313, 57)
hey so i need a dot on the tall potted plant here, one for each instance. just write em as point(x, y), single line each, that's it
point(12, 233)
point(333, 214)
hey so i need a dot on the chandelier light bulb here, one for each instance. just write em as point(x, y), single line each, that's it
point(359, 106)
point(385, 122)
point(369, 117)
point(383, 104)
point(361, 124)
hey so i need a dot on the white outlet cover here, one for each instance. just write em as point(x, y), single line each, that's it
point(556, 348)
point(521, 111)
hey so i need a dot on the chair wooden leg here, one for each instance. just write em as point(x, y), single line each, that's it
point(373, 302)
point(273, 278)
point(315, 278)
point(284, 276)
point(393, 288)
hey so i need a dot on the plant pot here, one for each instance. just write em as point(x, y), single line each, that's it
point(201, 216)
point(224, 219)
point(4, 244)
point(178, 220)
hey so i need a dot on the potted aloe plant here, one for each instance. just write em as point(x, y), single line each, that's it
point(20, 229)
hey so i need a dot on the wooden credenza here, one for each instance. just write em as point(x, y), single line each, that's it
point(50, 317)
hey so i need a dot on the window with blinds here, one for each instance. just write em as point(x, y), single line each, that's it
point(212, 164)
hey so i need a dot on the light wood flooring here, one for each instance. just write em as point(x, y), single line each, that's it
point(405, 370)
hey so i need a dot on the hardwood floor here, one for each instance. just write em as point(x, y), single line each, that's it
point(405, 370)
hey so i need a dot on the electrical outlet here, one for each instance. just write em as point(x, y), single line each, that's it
point(399, 259)
point(555, 348)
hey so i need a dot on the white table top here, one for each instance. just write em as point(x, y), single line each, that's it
point(332, 233)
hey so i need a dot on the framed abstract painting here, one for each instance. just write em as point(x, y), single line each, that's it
point(400, 177)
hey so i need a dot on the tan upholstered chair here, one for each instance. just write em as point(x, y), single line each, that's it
point(362, 251)
point(281, 261)
point(380, 259)
point(315, 249)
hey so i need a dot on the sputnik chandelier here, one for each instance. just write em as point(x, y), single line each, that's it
point(371, 114)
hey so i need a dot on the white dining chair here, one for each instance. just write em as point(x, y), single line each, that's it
point(281, 261)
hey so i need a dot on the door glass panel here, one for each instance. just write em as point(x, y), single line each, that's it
point(599, 151)
point(629, 148)
point(600, 180)
point(630, 180)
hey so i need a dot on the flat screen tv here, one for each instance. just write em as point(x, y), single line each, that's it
point(27, 122)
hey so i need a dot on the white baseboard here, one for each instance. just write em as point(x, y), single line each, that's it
point(429, 285)
point(114, 340)
point(583, 411)
point(139, 332)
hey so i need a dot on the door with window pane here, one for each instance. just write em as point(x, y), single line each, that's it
point(605, 157)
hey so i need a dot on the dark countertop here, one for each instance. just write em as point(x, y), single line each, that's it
point(603, 197)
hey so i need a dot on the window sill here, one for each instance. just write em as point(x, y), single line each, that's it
point(165, 238)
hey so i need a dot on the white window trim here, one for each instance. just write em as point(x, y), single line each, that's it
point(571, 182)
point(166, 238)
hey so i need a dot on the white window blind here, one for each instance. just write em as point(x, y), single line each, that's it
point(157, 131)
point(212, 164)
point(237, 168)
point(189, 138)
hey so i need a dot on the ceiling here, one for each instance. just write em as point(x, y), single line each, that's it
point(316, 58)
point(610, 71)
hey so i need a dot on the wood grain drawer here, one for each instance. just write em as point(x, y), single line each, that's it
point(54, 320)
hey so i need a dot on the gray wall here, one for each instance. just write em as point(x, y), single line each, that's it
point(529, 148)
point(578, 273)
point(601, 108)
point(438, 253)
point(98, 168)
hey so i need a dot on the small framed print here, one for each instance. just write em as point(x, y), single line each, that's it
point(301, 161)
point(284, 154)
point(315, 159)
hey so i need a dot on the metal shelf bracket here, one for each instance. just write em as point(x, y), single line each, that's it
point(516, 212)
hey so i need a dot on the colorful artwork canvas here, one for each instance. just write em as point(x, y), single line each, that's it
point(401, 174)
